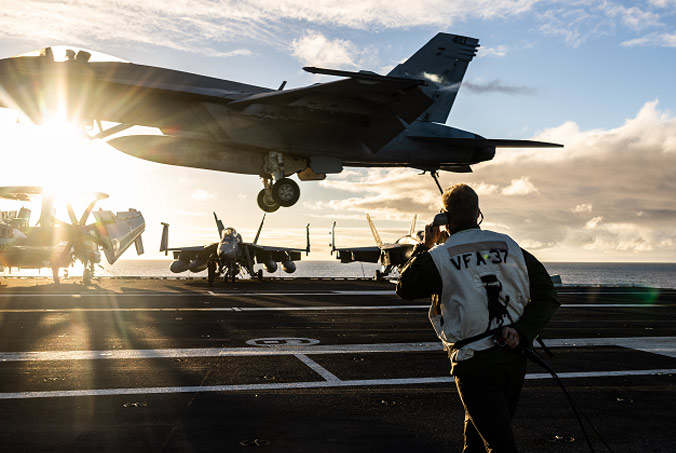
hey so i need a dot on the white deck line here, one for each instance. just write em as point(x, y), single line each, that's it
point(273, 309)
point(206, 294)
point(317, 368)
point(657, 345)
point(306, 385)
point(211, 293)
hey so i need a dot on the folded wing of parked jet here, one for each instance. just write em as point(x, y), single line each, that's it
point(390, 255)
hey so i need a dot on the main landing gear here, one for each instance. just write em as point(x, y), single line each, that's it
point(284, 192)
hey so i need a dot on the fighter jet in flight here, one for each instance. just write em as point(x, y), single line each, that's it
point(362, 120)
point(389, 255)
point(56, 244)
point(230, 255)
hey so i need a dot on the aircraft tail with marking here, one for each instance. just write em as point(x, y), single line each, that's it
point(376, 236)
point(442, 62)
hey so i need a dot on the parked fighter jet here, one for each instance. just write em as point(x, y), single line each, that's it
point(389, 255)
point(56, 244)
point(363, 120)
point(230, 255)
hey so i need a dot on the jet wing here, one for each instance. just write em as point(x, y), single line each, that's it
point(463, 142)
point(372, 108)
point(366, 254)
point(202, 252)
point(396, 254)
point(264, 253)
point(117, 232)
point(116, 91)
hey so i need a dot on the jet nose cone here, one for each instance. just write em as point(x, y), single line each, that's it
point(227, 252)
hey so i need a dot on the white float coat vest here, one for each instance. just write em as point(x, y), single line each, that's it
point(475, 265)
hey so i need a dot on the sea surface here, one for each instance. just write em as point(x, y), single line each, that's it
point(655, 275)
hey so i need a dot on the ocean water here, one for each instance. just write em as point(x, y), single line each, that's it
point(655, 275)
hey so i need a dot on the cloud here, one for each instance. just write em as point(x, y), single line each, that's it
point(521, 186)
point(585, 207)
point(653, 40)
point(576, 22)
point(662, 3)
point(315, 49)
point(633, 17)
point(206, 26)
point(499, 51)
point(593, 223)
point(545, 196)
point(202, 195)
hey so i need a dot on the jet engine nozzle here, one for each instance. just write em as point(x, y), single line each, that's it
point(289, 267)
point(270, 266)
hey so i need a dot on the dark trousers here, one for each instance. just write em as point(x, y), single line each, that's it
point(490, 396)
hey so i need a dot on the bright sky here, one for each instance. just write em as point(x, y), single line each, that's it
point(595, 75)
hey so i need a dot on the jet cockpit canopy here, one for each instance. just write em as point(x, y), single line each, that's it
point(229, 234)
point(71, 53)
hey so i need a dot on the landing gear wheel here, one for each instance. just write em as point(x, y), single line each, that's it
point(286, 192)
point(259, 274)
point(211, 273)
point(378, 277)
point(266, 202)
point(55, 274)
point(229, 276)
point(87, 276)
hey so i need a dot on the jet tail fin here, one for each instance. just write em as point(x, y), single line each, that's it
point(164, 243)
point(333, 238)
point(260, 228)
point(138, 243)
point(411, 230)
point(442, 62)
point(219, 225)
point(376, 236)
point(307, 239)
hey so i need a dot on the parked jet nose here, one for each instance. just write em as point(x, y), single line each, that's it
point(228, 251)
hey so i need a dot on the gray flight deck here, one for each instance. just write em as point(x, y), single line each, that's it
point(307, 366)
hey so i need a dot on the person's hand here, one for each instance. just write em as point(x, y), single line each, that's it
point(510, 337)
point(431, 235)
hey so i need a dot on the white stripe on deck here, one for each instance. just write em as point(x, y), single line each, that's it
point(216, 309)
point(208, 293)
point(328, 293)
point(657, 345)
point(306, 385)
point(317, 368)
point(276, 309)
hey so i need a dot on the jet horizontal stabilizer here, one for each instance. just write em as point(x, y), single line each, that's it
point(465, 142)
point(456, 168)
point(364, 75)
